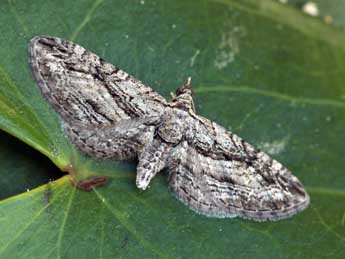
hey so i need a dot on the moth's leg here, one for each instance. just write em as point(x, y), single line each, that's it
point(183, 98)
point(152, 160)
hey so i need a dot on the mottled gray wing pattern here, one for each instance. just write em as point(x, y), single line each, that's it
point(109, 114)
point(84, 88)
point(106, 112)
point(223, 176)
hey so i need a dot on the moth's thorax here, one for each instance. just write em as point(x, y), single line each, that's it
point(173, 125)
point(182, 102)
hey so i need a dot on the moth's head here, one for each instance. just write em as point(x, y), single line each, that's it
point(183, 99)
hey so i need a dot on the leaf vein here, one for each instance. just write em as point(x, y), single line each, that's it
point(20, 21)
point(130, 228)
point(86, 19)
point(284, 97)
point(33, 219)
point(327, 226)
point(64, 220)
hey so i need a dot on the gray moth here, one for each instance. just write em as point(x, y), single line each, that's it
point(108, 114)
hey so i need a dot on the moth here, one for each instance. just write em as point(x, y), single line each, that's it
point(108, 114)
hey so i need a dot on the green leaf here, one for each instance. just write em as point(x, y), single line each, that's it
point(266, 71)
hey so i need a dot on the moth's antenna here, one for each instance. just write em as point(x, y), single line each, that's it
point(185, 87)
point(187, 83)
